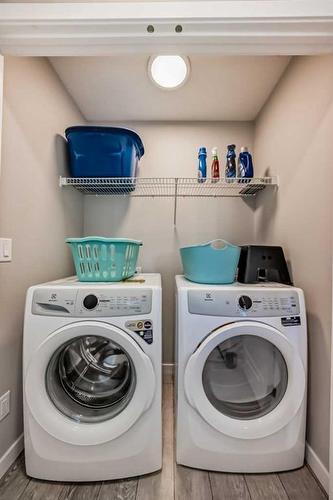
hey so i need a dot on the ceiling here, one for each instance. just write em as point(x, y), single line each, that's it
point(220, 88)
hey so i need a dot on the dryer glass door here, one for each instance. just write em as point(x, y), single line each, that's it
point(90, 378)
point(245, 377)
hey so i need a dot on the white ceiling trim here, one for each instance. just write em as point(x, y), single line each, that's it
point(269, 27)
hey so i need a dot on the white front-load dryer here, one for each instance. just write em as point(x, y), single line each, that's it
point(241, 377)
point(92, 379)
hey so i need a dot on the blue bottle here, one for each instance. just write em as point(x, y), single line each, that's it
point(245, 164)
point(202, 168)
point(230, 169)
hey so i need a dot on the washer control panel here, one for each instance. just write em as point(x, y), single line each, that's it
point(92, 303)
point(235, 303)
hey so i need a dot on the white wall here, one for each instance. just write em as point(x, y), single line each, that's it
point(33, 209)
point(293, 137)
point(2, 62)
point(171, 150)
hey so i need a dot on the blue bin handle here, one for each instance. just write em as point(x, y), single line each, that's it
point(218, 244)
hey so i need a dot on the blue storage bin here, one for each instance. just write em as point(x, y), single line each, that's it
point(214, 262)
point(103, 151)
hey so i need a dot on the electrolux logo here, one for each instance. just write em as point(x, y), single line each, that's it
point(208, 297)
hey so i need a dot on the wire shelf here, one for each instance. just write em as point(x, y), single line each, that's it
point(186, 187)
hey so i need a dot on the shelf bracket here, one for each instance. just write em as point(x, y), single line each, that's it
point(175, 203)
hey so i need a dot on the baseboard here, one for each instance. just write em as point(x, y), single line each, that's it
point(11, 455)
point(317, 467)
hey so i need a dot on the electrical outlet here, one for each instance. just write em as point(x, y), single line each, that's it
point(4, 405)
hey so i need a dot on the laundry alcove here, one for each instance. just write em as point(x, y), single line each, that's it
point(278, 104)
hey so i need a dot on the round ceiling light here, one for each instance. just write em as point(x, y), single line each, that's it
point(169, 72)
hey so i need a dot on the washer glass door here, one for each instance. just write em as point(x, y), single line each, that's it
point(245, 377)
point(90, 378)
point(89, 382)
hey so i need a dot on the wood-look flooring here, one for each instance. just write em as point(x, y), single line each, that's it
point(172, 483)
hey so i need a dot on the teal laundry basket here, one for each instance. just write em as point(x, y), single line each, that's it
point(104, 259)
point(214, 262)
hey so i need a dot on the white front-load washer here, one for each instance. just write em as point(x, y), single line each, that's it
point(241, 377)
point(92, 379)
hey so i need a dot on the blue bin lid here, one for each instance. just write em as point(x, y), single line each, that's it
point(108, 130)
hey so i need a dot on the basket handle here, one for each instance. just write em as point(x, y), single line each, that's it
point(219, 244)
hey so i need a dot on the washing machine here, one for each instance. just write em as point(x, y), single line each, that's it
point(92, 379)
point(241, 377)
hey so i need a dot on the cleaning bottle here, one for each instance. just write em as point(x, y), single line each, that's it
point(202, 168)
point(245, 164)
point(215, 169)
point(230, 169)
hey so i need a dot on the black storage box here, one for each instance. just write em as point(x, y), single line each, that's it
point(259, 264)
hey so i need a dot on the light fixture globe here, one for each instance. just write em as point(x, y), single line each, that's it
point(169, 72)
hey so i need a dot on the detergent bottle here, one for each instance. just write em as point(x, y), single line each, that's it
point(202, 168)
point(230, 169)
point(245, 164)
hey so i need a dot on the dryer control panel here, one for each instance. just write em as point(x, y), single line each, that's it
point(239, 303)
point(91, 303)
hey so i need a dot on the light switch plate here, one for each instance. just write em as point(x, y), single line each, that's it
point(5, 249)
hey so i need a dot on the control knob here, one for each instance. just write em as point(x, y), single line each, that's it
point(90, 301)
point(245, 302)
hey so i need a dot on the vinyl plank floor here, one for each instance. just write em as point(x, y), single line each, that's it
point(118, 490)
point(13, 484)
point(42, 490)
point(265, 487)
point(80, 491)
point(192, 484)
point(168, 377)
point(300, 484)
point(161, 484)
point(173, 482)
point(228, 486)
